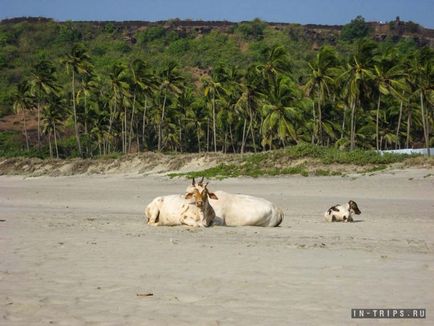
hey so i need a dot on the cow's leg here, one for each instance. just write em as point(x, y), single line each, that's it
point(189, 221)
point(152, 212)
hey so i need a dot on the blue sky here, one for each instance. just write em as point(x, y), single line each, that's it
point(294, 11)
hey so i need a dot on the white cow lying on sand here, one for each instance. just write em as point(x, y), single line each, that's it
point(181, 210)
point(242, 210)
point(339, 213)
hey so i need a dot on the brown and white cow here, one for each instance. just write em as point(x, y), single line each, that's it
point(342, 213)
point(192, 209)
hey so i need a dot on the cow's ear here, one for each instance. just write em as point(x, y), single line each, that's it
point(212, 195)
point(188, 195)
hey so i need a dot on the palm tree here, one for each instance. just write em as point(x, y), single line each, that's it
point(43, 84)
point(186, 118)
point(98, 124)
point(241, 107)
point(386, 76)
point(87, 90)
point(77, 61)
point(252, 82)
point(355, 79)
point(23, 102)
point(280, 112)
point(276, 61)
point(119, 98)
point(320, 82)
point(234, 103)
point(214, 90)
point(422, 69)
point(142, 84)
point(170, 84)
point(52, 116)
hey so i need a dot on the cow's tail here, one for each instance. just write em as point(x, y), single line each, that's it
point(152, 212)
point(280, 216)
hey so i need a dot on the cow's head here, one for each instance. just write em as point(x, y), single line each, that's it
point(354, 208)
point(199, 192)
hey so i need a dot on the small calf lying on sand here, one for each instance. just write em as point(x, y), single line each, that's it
point(181, 210)
point(342, 213)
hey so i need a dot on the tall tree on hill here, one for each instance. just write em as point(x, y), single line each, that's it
point(356, 76)
point(213, 89)
point(170, 84)
point(88, 89)
point(52, 117)
point(275, 62)
point(320, 82)
point(43, 84)
point(423, 71)
point(386, 75)
point(252, 81)
point(22, 103)
point(142, 84)
point(279, 107)
point(77, 62)
point(241, 106)
point(119, 99)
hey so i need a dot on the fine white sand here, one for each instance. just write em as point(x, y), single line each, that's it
point(76, 251)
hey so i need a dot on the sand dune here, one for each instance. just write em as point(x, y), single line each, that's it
point(75, 250)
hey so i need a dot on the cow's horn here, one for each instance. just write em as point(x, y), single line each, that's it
point(201, 181)
point(193, 182)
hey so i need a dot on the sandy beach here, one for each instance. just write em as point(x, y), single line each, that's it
point(76, 251)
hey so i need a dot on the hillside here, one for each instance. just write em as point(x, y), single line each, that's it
point(193, 44)
point(88, 89)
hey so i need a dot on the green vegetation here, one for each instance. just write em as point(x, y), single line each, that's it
point(100, 89)
point(300, 159)
point(356, 29)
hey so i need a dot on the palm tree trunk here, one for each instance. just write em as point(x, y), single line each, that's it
point(314, 123)
point(180, 135)
point(243, 140)
point(319, 123)
point(353, 128)
point(85, 114)
point(251, 129)
point(214, 124)
point(49, 145)
point(39, 123)
point(160, 130)
point(397, 143)
point(407, 140)
point(86, 131)
point(144, 124)
point(125, 129)
point(377, 133)
point(425, 129)
point(55, 141)
point(137, 138)
point(232, 139)
point(198, 136)
point(75, 113)
point(343, 122)
point(25, 130)
point(131, 123)
point(207, 134)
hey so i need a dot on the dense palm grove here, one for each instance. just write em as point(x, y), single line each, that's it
point(365, 95)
